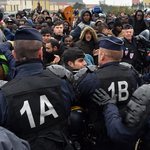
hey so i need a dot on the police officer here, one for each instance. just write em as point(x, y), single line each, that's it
point(135, 122)
point(113, 78)
point(36, 103)
point(134, 48)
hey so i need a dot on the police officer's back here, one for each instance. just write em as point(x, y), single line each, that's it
point(115, 79)
point(38, 101)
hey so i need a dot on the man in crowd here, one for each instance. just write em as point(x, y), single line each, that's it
point(74, 59)
point(134, 48)
point(88, 40)
point(53, 52)
point(117, 29)
point(86, 18)
point(44, 124)
point(58, 30)
point(139, 24)
point(122, 81)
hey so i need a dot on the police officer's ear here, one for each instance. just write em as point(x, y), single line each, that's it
point(102, 55)
point(40, 53)
point(14, 54)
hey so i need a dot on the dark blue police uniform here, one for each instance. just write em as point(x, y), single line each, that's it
point(119, 83)
point(53, 98)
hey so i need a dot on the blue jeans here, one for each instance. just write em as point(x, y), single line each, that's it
point(145, 33)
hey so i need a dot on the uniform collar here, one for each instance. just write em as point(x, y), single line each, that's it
point(116, 63)
point(28, 67)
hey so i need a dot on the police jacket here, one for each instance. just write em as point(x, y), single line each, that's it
point(6, 48)
point(114, 79)
point(135, 51)
point(32, 121)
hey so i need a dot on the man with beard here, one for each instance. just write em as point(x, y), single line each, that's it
point(53, 52)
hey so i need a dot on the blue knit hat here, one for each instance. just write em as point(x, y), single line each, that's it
point(111, 43)
point(27, 33)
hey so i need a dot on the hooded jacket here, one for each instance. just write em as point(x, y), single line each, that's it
point(87, 46)
point(119, 35)
point(138, 26)
point(82, 25)
point(45, 10)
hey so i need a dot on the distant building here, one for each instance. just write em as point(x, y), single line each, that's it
point(135, 2)
point(50, 5)
point(55, 5)
point(146, 2)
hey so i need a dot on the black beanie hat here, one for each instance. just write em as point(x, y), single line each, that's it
point(128, 26)
point(117, 22)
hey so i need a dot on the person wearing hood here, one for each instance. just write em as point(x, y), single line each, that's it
point(86, 18)
point(45, 12)
point(140, 25)
point(88, 40)
point(53, 52)
point(117, 29)
point(18, 15)
point(28, 22)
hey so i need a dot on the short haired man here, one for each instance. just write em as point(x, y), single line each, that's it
point(102, 31)
point(58, 30)
point(74, 58)
point(53, 52)
point(46, 34)
point(39, 100)
point(113, 78)
point(134, 48)
point(68, 41)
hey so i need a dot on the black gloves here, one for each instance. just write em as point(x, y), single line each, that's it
point(101, 98)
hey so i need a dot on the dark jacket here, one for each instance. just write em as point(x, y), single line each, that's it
point(49, 57)
point(87, 46)
point(87, 87)
point(57, 37)
point(138, 26)
point(135, 52)
point(76, 33)
point(100, 36)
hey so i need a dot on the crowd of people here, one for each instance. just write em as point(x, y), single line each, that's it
point(81, 86)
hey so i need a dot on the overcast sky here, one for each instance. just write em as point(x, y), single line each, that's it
point(110, 2)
